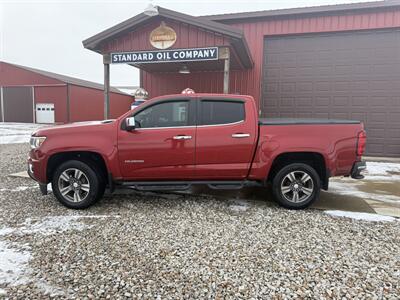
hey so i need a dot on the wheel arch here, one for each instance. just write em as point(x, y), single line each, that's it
point(92, 158)
point(314, 159)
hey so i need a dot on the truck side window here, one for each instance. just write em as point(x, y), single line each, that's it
point(221, 112)
point(167, 114)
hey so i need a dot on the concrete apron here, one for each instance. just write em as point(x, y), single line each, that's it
point(331, 200)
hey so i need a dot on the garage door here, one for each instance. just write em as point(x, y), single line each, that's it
point(18, 104)
point(340, 75)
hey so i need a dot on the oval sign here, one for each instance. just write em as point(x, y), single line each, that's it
point(162, 37)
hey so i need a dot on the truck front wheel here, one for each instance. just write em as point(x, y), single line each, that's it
point(296, 186)
point(76, 185)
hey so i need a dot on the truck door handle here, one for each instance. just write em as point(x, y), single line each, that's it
point(240, 135)
point(182, 137)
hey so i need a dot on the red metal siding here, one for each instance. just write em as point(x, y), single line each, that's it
point(172, 83)
point(85, 103)
point(119, 104)
point(56, 95)
point(88, 104)
point(187, 37)
point(249, 81)
point(14, 76)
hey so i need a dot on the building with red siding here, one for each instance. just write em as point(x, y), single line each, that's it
point(337, 61)
point(34, 96)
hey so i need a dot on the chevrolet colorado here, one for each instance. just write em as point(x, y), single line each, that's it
point(173, 142)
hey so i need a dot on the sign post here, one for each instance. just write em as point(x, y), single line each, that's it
point(106, 62)
point(225, 55)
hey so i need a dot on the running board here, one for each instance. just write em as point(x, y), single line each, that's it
point(154, 187)
point(185, 185)
point(226, 186)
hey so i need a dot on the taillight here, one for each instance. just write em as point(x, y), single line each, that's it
point(361, 141)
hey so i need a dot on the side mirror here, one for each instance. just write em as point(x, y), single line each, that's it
point(130, 123)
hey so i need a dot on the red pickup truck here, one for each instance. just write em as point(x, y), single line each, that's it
point(173, 142)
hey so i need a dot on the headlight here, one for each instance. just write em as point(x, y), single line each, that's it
point(36, 141)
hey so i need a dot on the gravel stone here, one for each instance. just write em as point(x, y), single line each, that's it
point(141, 245)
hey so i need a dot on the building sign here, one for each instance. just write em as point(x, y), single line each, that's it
point(162, 56)
point(162, 37)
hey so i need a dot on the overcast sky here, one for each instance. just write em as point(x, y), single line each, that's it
point(48, 34)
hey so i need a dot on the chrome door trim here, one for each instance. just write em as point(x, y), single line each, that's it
point(225, 124)
point(172, 127)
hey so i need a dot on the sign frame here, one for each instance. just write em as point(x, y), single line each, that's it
point(156, 52)
point(161, 30)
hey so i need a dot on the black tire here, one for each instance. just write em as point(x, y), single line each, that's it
point(285, 187)
point(102, 180)
point(78, 198)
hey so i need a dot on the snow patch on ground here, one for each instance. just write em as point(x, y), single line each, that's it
point(17, 133)
point(350, 189)
point(50, 290)
point(18, 189)
point(13, 263)
point(239, 205)
point(50, 225)
point(3, 292)
point(24, 188)
point(382, 171)
point(15, 257)
point(360, 216)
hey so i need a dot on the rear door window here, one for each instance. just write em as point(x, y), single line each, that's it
point(166, 114)
point(215, 112)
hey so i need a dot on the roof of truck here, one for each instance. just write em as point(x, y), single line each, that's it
point(204, 95)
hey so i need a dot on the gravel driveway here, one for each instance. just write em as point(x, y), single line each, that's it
point(168, 246)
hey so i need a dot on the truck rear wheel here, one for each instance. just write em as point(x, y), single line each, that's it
point(76, 184)
point(296, 186)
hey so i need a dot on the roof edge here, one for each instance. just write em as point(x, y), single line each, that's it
point(334, 8)
point(66, 79)
point(93, 42)
point(236, 35)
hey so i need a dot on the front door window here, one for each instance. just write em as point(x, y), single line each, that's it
point(168, 114)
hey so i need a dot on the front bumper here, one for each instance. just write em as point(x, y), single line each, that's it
point(35, 171)
point(358, 167)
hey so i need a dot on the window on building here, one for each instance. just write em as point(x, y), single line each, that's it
point(167, 114)
point(221, 112)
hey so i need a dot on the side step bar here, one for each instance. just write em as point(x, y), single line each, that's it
point(185, 185)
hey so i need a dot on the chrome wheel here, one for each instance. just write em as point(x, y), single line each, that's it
point(297, 186)
point(73, 185)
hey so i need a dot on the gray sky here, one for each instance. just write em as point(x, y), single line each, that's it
point(48, 34)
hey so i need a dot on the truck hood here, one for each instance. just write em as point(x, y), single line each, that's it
point(72, 127)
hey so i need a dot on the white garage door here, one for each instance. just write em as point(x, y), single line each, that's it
point(45, 113)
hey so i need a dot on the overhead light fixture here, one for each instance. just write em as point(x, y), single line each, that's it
point(151, 10)
point(184, 70)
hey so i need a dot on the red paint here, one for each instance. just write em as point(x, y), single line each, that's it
point(160, 153)
point(86, 103)
point(249, 81)
point(187, 37)
point(14, 76)
point(219, 156)
point(210, 154)
point(56, 95)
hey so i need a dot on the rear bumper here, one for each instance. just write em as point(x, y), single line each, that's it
point(358, 167)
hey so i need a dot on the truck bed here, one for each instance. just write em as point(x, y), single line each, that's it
point(295, 121)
